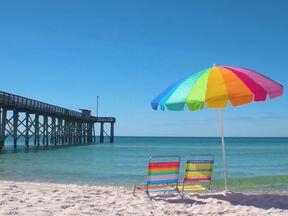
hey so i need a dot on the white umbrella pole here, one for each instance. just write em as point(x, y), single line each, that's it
point(223, 149)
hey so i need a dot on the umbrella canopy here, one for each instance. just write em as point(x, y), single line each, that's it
point(215, 87)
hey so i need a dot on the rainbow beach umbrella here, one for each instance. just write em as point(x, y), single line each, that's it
point(214, 88)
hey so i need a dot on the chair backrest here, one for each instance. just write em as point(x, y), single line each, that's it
point(199, 168)
point(163, 172)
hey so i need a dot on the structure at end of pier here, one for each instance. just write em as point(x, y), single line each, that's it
point(46, 124)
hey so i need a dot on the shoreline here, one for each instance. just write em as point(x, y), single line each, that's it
point(258, 184)
point(36, 198)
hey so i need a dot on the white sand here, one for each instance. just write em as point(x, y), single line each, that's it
point(55, 199)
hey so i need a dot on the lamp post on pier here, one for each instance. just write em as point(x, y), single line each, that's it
point(97, 106)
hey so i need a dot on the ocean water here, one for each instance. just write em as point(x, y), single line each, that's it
point(253, 163)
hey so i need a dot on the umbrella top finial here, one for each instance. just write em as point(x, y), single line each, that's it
point(214, 65)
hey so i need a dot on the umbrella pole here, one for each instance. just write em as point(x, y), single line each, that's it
point(223, 149)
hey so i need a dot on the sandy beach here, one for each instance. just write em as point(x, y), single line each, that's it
point(25, 198)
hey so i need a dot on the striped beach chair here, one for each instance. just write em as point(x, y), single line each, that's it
point(198, 173)
point(163, 174)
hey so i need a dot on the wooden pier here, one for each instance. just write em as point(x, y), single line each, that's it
point(45, 124)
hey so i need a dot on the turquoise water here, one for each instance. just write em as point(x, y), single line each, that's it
point(253, 163)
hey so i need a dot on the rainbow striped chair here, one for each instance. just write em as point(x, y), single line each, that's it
point(198, 173)
point(163, 174)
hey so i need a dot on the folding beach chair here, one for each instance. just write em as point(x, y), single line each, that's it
point(163, 174)
point(198, 173)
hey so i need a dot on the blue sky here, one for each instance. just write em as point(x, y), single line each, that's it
point(68, 52)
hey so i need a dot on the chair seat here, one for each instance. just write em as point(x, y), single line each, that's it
point(193, 187)
point(157, 188)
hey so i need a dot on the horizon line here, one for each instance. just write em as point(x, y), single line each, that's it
point(201, 136)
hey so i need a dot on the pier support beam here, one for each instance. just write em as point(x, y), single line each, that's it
point(45, 131)
point(27, 128)
point(93, 134)
point(53, 132)
point(65, 129)
point(36, 130)
point(112, 133)
point(74, 132)
point(60, 131)
point(3, 128)
point(15, 127)
point(90, 127)
point(84, 132)
point(101, 132)
point(79, 133)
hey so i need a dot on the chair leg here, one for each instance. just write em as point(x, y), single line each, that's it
point(180, 193)
point(209, 189)
point(148, 194)
point(134, 190)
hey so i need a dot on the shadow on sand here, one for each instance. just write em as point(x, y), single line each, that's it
point(264, 201)
point(177, 198)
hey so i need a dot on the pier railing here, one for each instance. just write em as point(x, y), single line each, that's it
point(12, 101)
